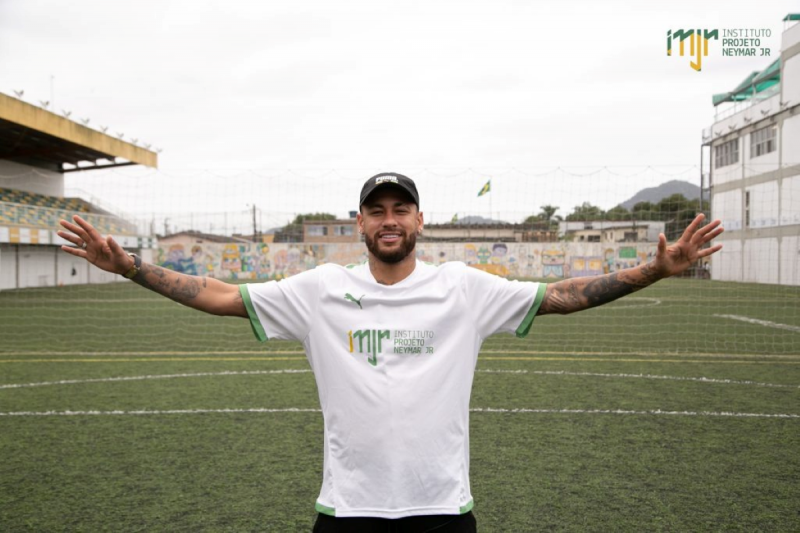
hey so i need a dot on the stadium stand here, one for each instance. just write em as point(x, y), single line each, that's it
point(26, 209)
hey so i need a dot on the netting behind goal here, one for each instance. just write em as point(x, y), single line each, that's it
point(540, 224)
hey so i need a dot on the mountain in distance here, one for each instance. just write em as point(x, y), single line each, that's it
point(477, 219)
point(665, 190)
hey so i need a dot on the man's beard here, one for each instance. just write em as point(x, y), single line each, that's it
point(395, 255)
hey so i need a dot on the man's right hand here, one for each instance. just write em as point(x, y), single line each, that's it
point(103, 252)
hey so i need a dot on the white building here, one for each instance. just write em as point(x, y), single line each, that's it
point(753, 149)
point(608, 231)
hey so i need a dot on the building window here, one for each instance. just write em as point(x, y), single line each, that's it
point(747, 209)
point(630, 236)
point(726, 153)
point(763, 141)
point(317, 231)
point(593, 238)
point(344, 231)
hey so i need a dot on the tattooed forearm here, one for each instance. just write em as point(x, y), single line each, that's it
point(606, 289)
point(178, 287)
point(577, 294)
point(203, 293)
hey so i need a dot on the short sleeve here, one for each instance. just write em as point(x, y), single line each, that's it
point(282, 309)
point(501, 305)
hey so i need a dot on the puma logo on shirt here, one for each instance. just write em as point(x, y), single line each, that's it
point(348, 296)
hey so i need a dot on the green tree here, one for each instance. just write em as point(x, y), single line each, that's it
point(299, 219)
point(618, 213)
point(586, 211)
point(547, 214)
point(678, 211)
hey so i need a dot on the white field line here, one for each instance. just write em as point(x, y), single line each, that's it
point(307, 371)
point(142, 378)
point(766, 323)
point(642, 376)
point(474, 410)
point(493, 348)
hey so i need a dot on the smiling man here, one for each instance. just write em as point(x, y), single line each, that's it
point(393, 344)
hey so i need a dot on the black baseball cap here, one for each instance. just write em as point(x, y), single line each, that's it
point(389, 179)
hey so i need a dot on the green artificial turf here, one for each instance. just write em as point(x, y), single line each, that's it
point(664, 459)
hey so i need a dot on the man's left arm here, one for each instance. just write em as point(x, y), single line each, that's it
point(577, 294)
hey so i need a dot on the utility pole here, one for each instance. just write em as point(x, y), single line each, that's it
point(255, 233)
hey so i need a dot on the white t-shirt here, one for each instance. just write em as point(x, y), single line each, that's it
point(394, 366)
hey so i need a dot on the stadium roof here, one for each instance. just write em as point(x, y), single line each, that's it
point(36, 137)
point(753, 84)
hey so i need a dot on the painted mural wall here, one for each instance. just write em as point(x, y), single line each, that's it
point(252, 261)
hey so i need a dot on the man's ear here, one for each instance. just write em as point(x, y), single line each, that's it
point(360, 223)
point(420, 221)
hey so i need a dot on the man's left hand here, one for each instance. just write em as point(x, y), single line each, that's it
point(677, 257)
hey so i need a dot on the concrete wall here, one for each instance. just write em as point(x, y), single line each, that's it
point(727, 264)
point(790, 200)
point(790, 137)
point(790, 79)
point(760, 257)
point(727, 206)
point(790, 261)
point(25, 178)
point(764, 204)
point(23, 266)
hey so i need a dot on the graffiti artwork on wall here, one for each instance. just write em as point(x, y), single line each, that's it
point(492, 261)
point(259, 261)
point(470, 254)
point(553, 262)
point(586, 266)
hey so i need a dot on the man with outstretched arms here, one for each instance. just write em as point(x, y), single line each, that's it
point(393, 344)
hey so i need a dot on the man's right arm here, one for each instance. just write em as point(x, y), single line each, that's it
point(202, 293)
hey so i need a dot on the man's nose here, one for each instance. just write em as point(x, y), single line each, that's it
point(389, 220)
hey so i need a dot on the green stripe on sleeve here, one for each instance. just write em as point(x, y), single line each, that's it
point(527, 322)
point(466, 508)
point(258, 329)
point(330, 511)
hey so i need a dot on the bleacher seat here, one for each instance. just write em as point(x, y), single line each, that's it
point(22, 208)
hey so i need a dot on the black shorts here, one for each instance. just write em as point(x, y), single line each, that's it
point(443, 523)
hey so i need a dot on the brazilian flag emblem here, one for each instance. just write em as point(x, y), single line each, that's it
point(486, 188)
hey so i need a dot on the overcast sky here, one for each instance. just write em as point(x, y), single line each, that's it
point(362, 86)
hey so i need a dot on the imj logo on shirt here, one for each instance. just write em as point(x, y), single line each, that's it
point(698, 44)
point(372, 339)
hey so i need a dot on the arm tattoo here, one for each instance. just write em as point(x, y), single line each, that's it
point(178, 287)
point(577, 294)
point(606, 289)
point(561, 298)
